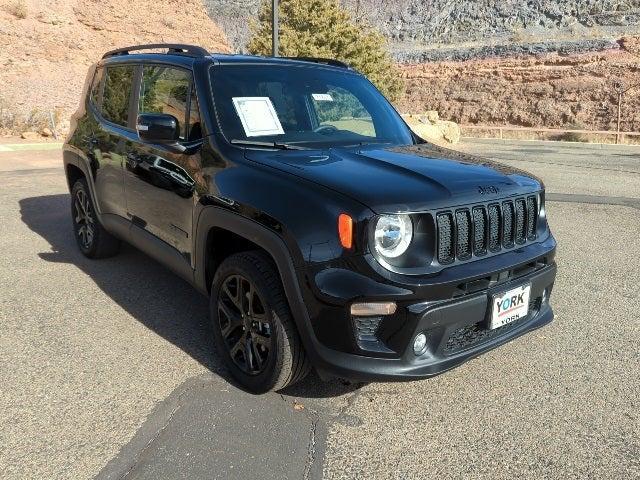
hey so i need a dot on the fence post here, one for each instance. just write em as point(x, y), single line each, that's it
point(619, 117)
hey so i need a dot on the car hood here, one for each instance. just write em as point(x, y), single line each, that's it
point(403, 179)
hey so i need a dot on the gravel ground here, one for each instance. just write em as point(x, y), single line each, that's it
point(90, 350)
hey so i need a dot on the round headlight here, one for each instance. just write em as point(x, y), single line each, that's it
point(393, 235)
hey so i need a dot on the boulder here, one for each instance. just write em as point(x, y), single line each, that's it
point(432, 116)
point(430, 127)
point(30, 135)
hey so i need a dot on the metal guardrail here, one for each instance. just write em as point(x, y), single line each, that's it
point(508, 128)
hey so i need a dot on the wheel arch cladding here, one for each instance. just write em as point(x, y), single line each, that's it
point(73, 174)
point(218, 220)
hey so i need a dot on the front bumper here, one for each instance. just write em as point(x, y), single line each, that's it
point(456, 331)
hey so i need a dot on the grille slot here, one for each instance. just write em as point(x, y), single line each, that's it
point(507, 224)
point(445, 238)
point(466, 232)
point(479, 231)
point(532, 217)
point(463, 234)
point(521, 220)
point(494, 228)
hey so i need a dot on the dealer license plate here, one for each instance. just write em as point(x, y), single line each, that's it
point(510, 306)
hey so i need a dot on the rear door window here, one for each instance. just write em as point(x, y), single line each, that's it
point(166, 90)
point(117, 92)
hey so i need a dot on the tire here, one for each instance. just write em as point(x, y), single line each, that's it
point(93, 240)
point(253, 329)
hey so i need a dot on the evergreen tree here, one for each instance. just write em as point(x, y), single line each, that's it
point(322, 28)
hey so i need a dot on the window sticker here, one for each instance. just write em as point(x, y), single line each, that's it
point(322, 97)
point(258, 116)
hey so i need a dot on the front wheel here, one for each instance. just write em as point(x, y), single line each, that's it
point(253, 329)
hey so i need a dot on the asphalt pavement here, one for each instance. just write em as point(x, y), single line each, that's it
point(108, 370)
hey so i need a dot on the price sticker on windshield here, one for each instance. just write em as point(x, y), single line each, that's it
point(258, 116)
point(322, 97)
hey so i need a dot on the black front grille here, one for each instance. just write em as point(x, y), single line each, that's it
point(466, 232)
point(477, 333)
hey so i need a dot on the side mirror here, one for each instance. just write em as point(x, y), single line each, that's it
point(158, 128)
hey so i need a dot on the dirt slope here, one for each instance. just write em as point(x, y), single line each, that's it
point(547, 90)
point(47, 46)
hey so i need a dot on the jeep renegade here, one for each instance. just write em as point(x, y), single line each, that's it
point(325, 233)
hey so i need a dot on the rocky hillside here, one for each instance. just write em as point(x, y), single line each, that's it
point(511, 62)
point(47, 47)
point(420, 30)
point(550, 90)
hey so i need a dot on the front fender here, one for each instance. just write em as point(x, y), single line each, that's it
point(273, 244)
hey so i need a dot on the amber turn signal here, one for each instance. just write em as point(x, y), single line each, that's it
point(345, 230)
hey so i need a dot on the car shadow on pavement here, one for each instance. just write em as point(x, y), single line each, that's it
point(146, 290)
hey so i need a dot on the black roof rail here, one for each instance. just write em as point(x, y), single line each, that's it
point(325, 61)
point(173, 48)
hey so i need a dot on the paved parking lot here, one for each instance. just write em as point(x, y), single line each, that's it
point(107, 367)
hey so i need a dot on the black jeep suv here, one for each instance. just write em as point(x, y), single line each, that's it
point(324, 231)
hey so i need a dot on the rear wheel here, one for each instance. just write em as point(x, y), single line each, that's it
point(252, 325)
point(93, 240)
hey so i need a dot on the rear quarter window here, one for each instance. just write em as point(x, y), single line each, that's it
point(118, 85)
point(95, 95)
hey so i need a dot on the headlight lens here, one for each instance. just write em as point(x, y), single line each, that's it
point(393, 235)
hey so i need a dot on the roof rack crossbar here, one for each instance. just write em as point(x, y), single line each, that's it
point(327, 61)
point(174, 48)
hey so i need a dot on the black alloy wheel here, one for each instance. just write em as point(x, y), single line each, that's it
point(92, 238)
point(244, 324)
point(254, 332)
point(83, 218)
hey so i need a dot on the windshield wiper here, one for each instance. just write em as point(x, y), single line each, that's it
point(279, 146)
point(365, 144)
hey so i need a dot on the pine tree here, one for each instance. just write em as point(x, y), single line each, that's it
point(322, 28)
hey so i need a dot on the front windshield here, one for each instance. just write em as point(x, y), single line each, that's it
point(303, 106)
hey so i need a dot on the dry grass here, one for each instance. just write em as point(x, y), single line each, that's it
point(10, 122)
point(18, 9)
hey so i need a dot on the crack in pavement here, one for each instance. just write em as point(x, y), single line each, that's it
point(130, 454)
point(311, 448)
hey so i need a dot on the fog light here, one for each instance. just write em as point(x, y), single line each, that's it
point(545, 296)
point(420, 344)
point(373, 309)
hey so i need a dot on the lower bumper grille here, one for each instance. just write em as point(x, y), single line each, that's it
point(366, 333)
point(477, 333)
